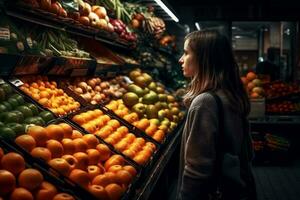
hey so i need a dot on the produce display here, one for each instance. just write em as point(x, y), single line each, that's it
point(253, 85)
point(122, 30)
point(114, 133)
point(20, 182)
point(148, 106)
point(16, 113)
point(284, 107)
point(95, 90)
point(278, 89)
point(48, 95)
point(82, 158)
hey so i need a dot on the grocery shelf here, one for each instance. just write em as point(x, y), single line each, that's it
point(280, 119)
point(149, 183)
point(50, 20)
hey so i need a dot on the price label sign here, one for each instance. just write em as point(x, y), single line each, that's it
point(16, 82)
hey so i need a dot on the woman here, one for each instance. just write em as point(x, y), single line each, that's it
point(209, 62)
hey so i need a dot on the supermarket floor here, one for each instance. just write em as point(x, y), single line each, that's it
point(274, 182)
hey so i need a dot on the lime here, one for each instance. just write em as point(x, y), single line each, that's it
point(8, 117)
point(35, 120)
point(7, 88)
point(25, 110)
point(19, 98)
point(20, 116)
point(2, 94)
point(1, 124)
point(2, 108)
point(7, 133)
point(46, 116)
point(19, 129)
point(7, 105)
point(34, 109)
point(13, 102)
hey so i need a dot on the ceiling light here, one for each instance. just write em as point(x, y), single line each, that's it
point(234, 28)
point(167, 10)
point(197, 26)
point(238, 36)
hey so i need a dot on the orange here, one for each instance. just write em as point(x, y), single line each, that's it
point(7, 182)
point(124, 177)
point(82, 160)
point(89, 127)
point(151, 145)
point(143, 124)
point(61, 165)
point(104, 152)
point(91, 140)
point(13, 162)
point(105, 118)
point(251, 76)
point(36, 97)
point(140, 141)
point(114, 124)
point(140, 159)
point(63, 196)
point(44, 102)
point(114, 160)
point(129, 153)
point(30, 179)
point(68, 130)
point(41, 152)
point(254, 95)
point(80, 145)
point(110, 140)
point(115, 168)
point(56, 148)
point(111, 176)
point(80, 177)
point(94, 171)
point(44, 94)
point(34, 85)
point(86, 116)
point(55, 132)
point(26, 141)
point(121, 146)
point(78, 119)
point(146, 153)
point(101, 180)
point(114, 191)
point(68, 146)
point(244, 80)
point(123, 130)
point(130, 169)
point(98, 191)
point(131, 137)
point(97, 113)
point(94, 156)
point(135, 147)
point(45, 192)
point(21, 193)
point(71, 160)
point(150, 130)
point(39, 134)
point(76, 134)
point(159, 135)
point(250, 86)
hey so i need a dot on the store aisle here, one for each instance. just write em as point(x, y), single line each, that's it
point(278, 182)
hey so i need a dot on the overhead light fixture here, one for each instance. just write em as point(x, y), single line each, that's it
point(167, 10)
point(238, 36)
point(234, 28)
point(197, 26)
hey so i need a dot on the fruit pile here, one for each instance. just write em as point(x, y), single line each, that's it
point(283, 107)
point(112, 132)
point(95, 90)
point(253, 85)
point(279, 89)
point(80, 157)
point(15, 113)
point(48, 95)
point(148, 106)
point(155, 26)
point(18, 182)
point(121, 29)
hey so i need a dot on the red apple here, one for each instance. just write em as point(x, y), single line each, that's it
point(63, 12)
point(45, 4)
point(84, 20)
point(54, 8)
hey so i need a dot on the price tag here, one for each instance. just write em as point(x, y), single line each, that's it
point(1, 81)
point(16, 82)
point(4, 33)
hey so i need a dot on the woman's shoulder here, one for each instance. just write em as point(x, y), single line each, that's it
point(203, 99)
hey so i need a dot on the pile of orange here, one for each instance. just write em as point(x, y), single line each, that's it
point(253, 85)
point(95, 122)
point(17, 182)
point(48, 95)
point(153, 128)
point(80, 157)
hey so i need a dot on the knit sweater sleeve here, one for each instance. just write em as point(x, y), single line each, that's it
point(200, 154)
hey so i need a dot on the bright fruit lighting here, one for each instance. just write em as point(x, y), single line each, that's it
point(167, 10)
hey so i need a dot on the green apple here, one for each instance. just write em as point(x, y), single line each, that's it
point(154, 121)
point(139, 108)
point(151, 111)
point(161, 115)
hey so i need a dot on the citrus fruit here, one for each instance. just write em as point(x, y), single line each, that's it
point(30, 179)
point(7, 182)
point(21, 193)
point(26, 141)
point(13, 162)
point(42, 153)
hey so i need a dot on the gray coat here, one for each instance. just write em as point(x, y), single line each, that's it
point(198, 151)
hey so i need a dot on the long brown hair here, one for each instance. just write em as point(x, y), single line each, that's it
point(217, 69)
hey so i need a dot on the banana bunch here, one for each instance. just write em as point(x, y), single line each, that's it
point(155, 26)
point(59, 44)
point(118, 8)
